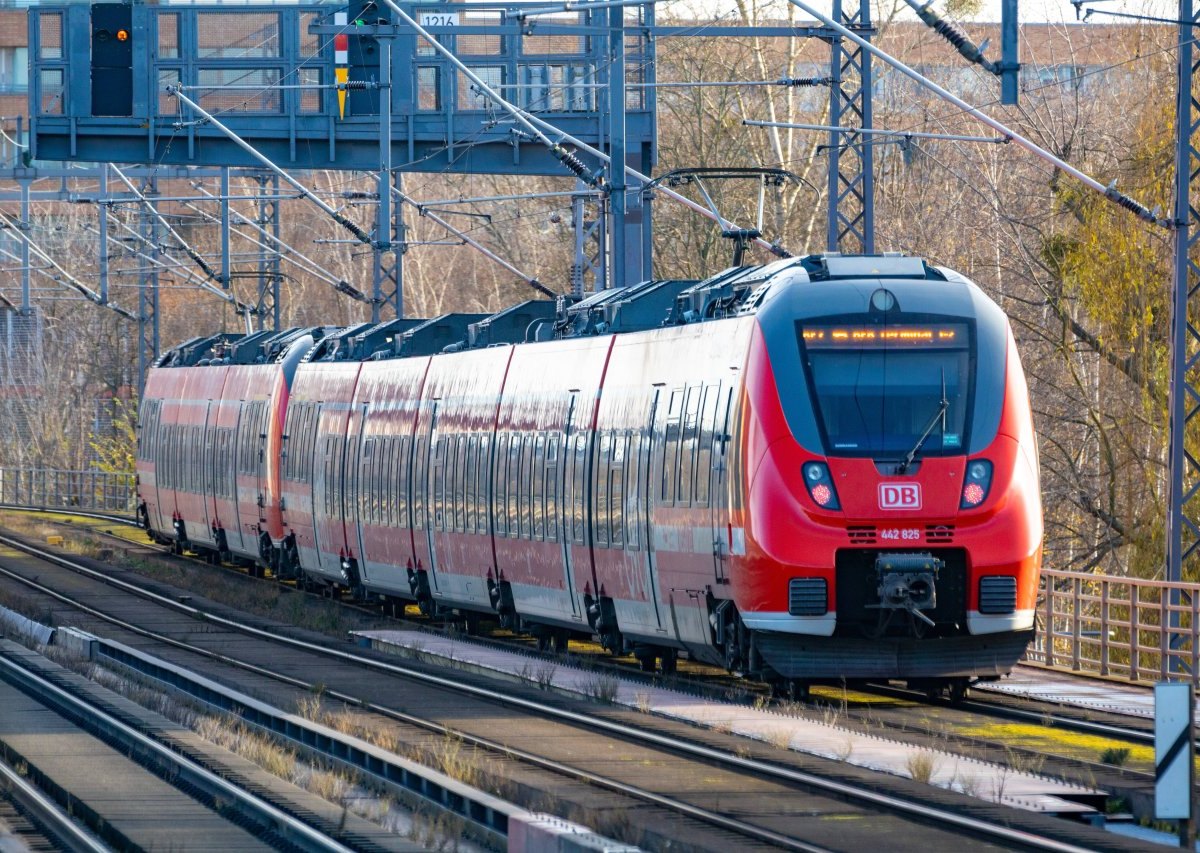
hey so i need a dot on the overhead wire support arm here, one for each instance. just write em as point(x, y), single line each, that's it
point(63, 276)
point(285, 251)
point(532, 281)
point(191, 253)
point(349, 225)
point(791, 82)
point(1110, 192)
point(907, 134)
point(204, 285)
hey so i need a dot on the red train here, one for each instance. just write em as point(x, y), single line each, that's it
point(822, 469)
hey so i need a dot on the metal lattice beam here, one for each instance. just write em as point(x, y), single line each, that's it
point(148, 343)
point(269, 272)
point(1183, 523)
point(851, 183)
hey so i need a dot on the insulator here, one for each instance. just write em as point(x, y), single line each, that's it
point(353, 86)
point(576, 165)
point(953, 33)
point(804, 81)
point(1140, 210)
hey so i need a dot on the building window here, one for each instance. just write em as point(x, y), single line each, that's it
point(14, 69)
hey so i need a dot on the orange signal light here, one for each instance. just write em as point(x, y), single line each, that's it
point(122, 35)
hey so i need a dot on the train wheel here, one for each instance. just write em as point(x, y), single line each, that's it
point(561, 640)
point(957, 690)
point(543, 641)
point(669, 662)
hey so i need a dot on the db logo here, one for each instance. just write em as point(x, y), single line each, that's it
point(899, 495)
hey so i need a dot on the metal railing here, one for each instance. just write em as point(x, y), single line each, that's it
point(1140, 630)
point(50, 488)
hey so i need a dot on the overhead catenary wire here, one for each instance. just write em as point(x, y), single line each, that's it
point(532, 281)
point(348, 224)
point(192, 278)
point(145, 202)
point(1110, 192)
point(906, 134)
point(63, 276)
point(285, 251)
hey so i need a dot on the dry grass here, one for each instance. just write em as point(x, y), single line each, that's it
point(603, 688)
point(921, 765)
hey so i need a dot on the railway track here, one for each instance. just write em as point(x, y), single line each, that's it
point(678, 751)
point(106, 767)
point(32, 821)
point(1068, 742)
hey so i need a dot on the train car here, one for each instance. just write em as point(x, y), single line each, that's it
point(209, 440)
point(822, 469)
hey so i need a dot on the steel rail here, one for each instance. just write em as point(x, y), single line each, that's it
point(981, 706)
point(45, 812)
point(925, 813)
point(294, 831)
point(726, 823)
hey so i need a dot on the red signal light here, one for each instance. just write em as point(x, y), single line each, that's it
point(973, 494)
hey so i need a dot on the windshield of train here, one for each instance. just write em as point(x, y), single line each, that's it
point(882, 390)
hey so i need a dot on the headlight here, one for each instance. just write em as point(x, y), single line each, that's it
point(820, 485)
point(976, 484)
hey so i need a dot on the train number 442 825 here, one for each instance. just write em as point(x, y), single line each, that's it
point(898, 534)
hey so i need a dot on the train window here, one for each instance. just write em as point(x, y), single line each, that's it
point(514, 485)
point(537, 487)
point(295, 444)
point(875, 389)
point(483, 476)
point(229, 463)
point(422, 495)
point(450, 483)
point(616, 493)
point(634, 500)
point(569, 487)
point(366, 479)
point(580, 493)
point(453, 481)
point(287, 455)
point(161, 455)
point(437, 462)
point(218, 467)
point(349, 468)
point(553, 481)
point(600, 478)
point(470, 482)
point(708, 419)
point(523, 484)
point(500, 488)
point(199, 456)
point(670, 467)
point(687, 446)
point(460, 495)
point(174, 458)
point(380, 484)
point(398, 485)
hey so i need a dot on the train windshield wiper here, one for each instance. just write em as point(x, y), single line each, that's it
point(939, 415)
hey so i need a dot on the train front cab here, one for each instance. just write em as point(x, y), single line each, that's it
point(857, 565)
